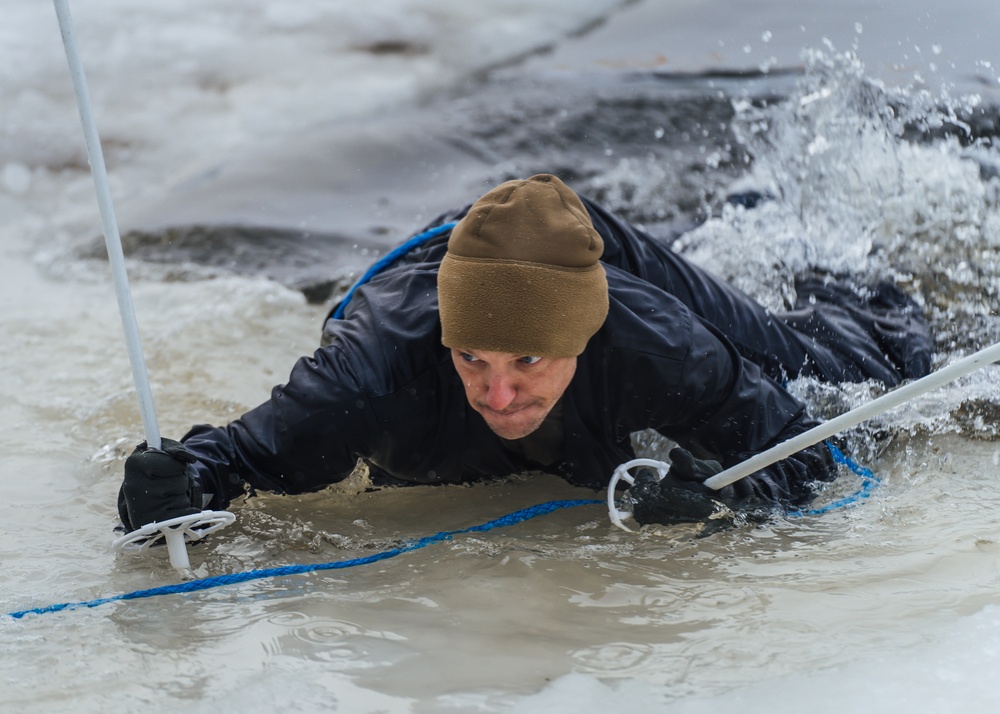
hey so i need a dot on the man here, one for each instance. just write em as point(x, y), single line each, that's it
point(540, 333)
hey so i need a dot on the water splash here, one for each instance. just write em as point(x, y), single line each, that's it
point(876, 184)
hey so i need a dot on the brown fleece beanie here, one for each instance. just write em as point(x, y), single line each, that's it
point(523, 274)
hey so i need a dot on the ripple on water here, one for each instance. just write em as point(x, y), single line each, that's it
point(348, 645)
point(617, 659)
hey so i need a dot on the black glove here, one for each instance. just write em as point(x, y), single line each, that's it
point(158, 485)
point(681, 496)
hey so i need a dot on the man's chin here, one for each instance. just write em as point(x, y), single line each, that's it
point(511, 429)
point(511, 434)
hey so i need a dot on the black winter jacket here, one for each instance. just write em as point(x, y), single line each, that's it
point(680, 352)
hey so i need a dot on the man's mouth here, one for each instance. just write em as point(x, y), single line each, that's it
point(506, 412)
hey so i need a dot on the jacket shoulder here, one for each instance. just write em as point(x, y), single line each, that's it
point(642, 318)
point(391, 334)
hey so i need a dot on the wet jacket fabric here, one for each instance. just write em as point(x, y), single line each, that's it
point(680, 352)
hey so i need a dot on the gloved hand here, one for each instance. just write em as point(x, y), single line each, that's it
point(681, 496)
point(158, 485)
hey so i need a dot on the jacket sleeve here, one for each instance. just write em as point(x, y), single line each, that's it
point(712, 401)
point(306, 436)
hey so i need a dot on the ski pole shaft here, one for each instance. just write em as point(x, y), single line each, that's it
point(112, 239)
point(898, 396)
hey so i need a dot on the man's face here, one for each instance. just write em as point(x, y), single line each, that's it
point(513, 393)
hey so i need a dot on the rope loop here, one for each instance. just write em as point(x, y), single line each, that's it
point(869, 482)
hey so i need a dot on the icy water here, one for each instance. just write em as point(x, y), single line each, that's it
point(267, 151)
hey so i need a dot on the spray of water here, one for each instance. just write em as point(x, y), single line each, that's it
point(872, 184)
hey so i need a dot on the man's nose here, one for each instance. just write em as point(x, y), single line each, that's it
point(500, 392)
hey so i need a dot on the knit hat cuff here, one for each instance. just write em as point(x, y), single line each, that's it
point(520, 307)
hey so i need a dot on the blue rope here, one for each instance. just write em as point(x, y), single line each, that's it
point(283, 571)
point(388, 259)
point(869, 481)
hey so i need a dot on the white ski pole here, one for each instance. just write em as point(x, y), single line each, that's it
point(898, 396)
point(815, 435)
point(111, 237)
point(175, 530)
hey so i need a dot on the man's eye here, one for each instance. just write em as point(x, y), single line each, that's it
point(531, 360)
point(468, 358)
